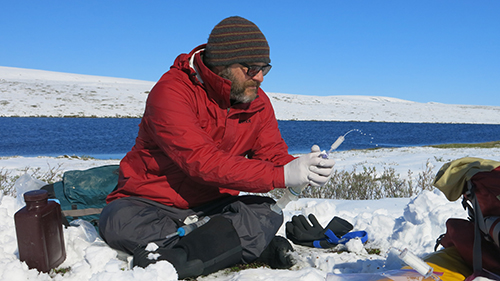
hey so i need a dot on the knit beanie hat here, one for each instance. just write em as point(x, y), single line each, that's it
point(236, 40)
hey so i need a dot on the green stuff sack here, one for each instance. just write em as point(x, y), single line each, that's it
point(82, 194)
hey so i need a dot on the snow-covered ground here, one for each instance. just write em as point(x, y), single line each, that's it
point(27, 92)
point(412, 223)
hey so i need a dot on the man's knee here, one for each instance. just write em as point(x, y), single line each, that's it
point(125, 224)
point(255, 223)
point(261, 208)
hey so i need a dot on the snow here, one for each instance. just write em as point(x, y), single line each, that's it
point(391, 223)
point(28, 92)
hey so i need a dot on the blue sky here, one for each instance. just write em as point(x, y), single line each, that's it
point(445, 51)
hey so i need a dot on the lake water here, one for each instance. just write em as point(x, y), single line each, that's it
point(106, 138)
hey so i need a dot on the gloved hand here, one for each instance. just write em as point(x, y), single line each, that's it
point(310, 169)
point(300, 231)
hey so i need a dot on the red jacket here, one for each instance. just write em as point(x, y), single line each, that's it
point(194, 147)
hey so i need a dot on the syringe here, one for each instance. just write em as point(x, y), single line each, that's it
point(334, 146)
point(292, 194)
point(186, 229)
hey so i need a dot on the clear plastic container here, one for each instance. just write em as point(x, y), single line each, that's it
point(289, 195)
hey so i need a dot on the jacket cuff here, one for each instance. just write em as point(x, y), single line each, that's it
point(279, 177)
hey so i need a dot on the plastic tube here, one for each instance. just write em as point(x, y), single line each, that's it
point(334, 146)
point(186, 229)
point(337, 143)
point(418, 264)
point(290, 195)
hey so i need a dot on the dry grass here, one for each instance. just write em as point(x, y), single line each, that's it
point(369, 184)
point(7, 180)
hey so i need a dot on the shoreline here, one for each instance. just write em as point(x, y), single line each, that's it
point(292, 120)
point(450, 146)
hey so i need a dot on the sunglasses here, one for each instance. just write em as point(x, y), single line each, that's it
point(255, 69)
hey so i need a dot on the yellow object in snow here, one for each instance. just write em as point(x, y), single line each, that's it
point(448, 262)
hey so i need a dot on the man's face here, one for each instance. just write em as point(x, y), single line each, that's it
point(243, 87)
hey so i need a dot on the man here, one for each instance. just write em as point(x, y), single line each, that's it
point(208, 133)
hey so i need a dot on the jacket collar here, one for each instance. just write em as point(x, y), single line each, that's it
point(217, 88)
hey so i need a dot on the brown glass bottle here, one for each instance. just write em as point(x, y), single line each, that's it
point(40, 238)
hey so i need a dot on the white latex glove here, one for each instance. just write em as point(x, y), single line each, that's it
point(308, 169)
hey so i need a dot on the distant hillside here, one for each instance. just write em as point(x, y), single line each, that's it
point(27, 92)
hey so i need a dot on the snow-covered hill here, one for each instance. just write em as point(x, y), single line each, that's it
point(27, 92)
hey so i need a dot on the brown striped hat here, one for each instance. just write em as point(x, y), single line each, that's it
point(236, 40)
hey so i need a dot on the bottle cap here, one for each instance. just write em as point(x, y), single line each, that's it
point(36, 195)
point(181, 231)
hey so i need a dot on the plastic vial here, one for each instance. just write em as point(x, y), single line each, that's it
point(289, 195)
point(39, 232)
point(418, 264)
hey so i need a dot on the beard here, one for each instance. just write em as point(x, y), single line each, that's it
point(240, 91)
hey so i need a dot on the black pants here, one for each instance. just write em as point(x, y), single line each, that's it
point(129, 222)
